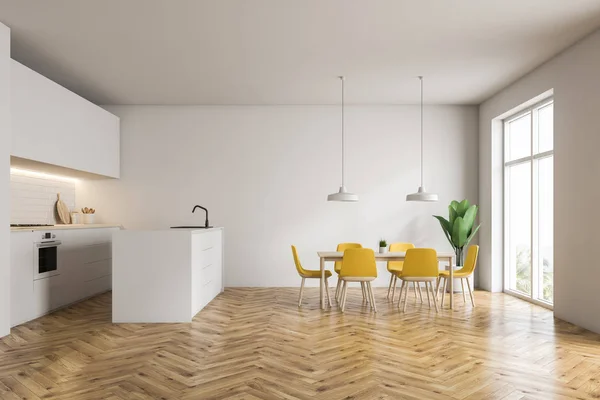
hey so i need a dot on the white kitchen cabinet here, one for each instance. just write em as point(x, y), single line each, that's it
point(86, 262)
point(85, 266)
point(53, 125)
point(165, 275)
point(21, 277)
point(207, 268)
point(48, 295)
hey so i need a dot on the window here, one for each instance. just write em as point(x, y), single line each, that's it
point(529, 203)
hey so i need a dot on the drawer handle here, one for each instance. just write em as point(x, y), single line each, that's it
point(208, 248)
point(208, 283)
point(209, 265)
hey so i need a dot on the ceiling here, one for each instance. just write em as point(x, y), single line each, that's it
point(290, 51)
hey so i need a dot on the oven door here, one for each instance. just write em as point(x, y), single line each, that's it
point(45, 259)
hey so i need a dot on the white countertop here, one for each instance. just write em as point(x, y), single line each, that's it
point(59, 227)
point(188, 230)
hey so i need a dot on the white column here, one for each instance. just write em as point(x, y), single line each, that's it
point(5, 144)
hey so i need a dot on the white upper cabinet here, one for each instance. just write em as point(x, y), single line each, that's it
point(53, 125)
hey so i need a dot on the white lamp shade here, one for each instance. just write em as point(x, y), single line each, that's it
point(422, 195)
point(342, 195)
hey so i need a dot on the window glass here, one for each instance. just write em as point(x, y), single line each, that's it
point(546, 128)
point(518, 138)
point(545, 228)
point(518, 212)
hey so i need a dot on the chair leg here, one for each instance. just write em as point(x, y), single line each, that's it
point(390, 287)
point(428, 298)
point(415, 289)
point(401, 291)
point(301, 291)
point(344, 294)
point(434, 297)
point(420, 294)
point(394, 288)
point(337, 289)
point(373, 306)
point(470, 292)
point(437, 285)
point(444, 290)
point(365, 294)
point(462, 284)
point(327, 291)
point(405, 297)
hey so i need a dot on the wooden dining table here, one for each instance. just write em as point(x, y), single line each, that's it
point(326, 256)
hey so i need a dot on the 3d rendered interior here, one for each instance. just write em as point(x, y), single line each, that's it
point(299, 199)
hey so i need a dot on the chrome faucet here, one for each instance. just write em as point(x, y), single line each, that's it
point(206, 211)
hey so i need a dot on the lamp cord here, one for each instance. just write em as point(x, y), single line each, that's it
point(342, 79)
point(421, 79)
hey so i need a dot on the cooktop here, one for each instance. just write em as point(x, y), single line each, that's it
point(27, 225)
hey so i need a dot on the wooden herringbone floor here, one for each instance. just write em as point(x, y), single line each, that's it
point(257, 344)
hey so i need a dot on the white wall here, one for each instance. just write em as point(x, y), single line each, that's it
point(575, 77)
point(33, 196)
point(265, 172)
point(5, 135)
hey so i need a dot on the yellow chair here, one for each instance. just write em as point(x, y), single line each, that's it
point(338, 264)
point(420, 266)
point(358, 265)
point(464, 274)
point(396, 266)
point(306, 273)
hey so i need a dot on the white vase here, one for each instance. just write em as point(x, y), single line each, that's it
point(88, 218)
point(382, 250)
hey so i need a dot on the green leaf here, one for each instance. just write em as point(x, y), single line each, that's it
point(452, 216)
point(462, 207)
point(454, 204)
point(459, 232)
point(444, 222)
point(469, 217)
point(445, 227)
point(472, 235)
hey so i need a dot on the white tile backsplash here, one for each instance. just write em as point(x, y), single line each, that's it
point(33, 198)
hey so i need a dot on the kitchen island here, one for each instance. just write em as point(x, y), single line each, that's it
point(165, 275)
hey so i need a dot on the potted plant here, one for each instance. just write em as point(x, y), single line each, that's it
point(458, 228)
point(382, 246)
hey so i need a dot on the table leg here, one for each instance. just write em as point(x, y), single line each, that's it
point(322, 283)
point(451, 283)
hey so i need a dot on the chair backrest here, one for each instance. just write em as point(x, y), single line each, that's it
point(398, 265)
point(297, 261)
point(421, 263)
point(359, 263)
point(471, 260)
point(342, 247)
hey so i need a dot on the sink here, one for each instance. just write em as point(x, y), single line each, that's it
point(191, 227)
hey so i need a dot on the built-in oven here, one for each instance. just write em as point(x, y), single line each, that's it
point(46, 261)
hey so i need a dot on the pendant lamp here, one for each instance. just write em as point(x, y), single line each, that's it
point(422, 194)
point(342, 194)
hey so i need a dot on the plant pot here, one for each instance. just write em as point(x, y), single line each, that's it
point(382, 250)
point(88, 218)
point(457, 285)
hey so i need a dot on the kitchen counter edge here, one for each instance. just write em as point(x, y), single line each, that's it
point(63, 227)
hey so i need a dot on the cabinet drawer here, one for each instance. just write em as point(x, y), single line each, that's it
point(48, 295)
point(209, 273)
point(96, 252)
point(209, 240)
point(98, 285)
point(94, 270)
point(210, 291)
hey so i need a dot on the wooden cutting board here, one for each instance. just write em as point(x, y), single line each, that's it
point(62, 211)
